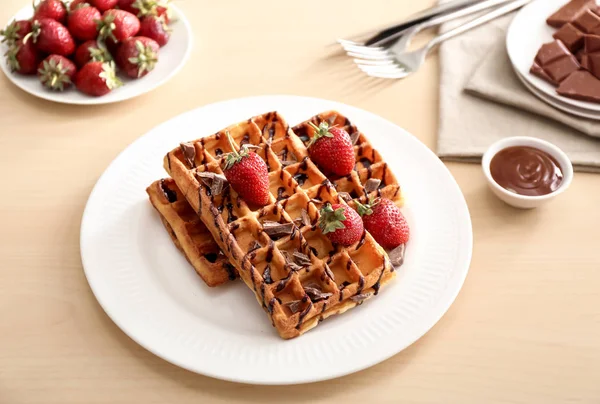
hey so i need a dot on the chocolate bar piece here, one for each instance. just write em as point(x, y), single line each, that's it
point(591, 56)
point(588, 22)
point(581, 85)
point(569, 12)
point(570, 36)
point(572, 33)
point(554, 63)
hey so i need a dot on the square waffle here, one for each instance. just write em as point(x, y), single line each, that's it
point(298, 276)
point(189, 234)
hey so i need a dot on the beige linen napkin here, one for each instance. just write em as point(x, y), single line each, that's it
point(482, 101)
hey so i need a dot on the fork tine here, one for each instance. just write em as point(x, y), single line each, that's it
point(374, 62)
point(397, 75)
point(387, 69)
point(365, 49)
point(347, 42)
point(369, 57)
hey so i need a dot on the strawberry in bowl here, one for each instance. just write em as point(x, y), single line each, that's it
point(92, 31)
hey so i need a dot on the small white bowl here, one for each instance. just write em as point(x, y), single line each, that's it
point(524, 201)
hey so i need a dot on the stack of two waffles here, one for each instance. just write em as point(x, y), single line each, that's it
point(298, 276)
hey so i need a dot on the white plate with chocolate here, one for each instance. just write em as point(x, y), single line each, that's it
point(557, 103)
point(151, 292)
point(555, 46)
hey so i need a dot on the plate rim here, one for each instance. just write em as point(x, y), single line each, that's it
point(181, 17)
point(449, 298)
point(554, 103)
point(536, 82)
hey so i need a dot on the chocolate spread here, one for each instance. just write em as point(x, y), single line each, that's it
point(526, 171)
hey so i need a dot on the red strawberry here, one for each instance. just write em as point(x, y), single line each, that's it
point(14, 31)
point(23, 57)
point(341, 224)
point(331, 149)
point(77, 3)
point(141, 8)
point(385, 222)
point(97, 79)
point(91, 51)
point(83, 23)
point(155, 28)
point(118, 25)
point(137, 56)
point(248, 175)
point(103, 5)
point(145, 8)
point(164, 12)
point(51, 37)
point(57, 72)
point(53, 9)
point(127, 5)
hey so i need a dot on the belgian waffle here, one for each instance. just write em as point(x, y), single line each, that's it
point(189, 234)
point(298, 276)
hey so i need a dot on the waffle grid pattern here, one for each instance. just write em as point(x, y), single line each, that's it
point(299, 278)
point(189, 234)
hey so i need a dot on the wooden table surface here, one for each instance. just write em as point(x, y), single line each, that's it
point(524, 329)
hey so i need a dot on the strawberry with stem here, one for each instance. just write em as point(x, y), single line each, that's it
point(248, 174)
point(331, 149)
point(23, 57)
point(117, 26)
point(92, 51)
point(137, 56)
point(341, 224)
point(50, 36)
point(14, 31)
point(383, 219)
point(97, 79)
point(57, 72)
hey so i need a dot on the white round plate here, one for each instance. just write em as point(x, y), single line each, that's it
point(172, 58)
point(150, 291)
point(557, 103)
point(526, 34)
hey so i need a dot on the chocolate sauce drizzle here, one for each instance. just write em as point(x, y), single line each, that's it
point(169, 193)
point(361, 284)
point(362, 240)
point(377, 285)
point(300, 178)
point(304, 313)
point(231, 272)
point(262, 292)
point(271, 305)
point(280, 193)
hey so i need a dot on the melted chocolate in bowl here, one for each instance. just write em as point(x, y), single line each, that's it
point(526, 171)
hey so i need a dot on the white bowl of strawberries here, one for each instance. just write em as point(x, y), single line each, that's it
point(94, 51)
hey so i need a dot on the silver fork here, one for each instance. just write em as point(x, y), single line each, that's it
point(439, 9)
point(392, 64)
point(355, 50)
point(407, 35)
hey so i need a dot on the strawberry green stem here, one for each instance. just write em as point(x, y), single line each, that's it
point(320, 131)
point(331, 220)
point(234, 157)
point(367, 208)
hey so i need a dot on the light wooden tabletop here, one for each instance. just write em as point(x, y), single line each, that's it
point(524, 329)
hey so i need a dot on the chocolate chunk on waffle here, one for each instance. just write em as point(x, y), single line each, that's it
point(298, 276)
point(189, 234)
